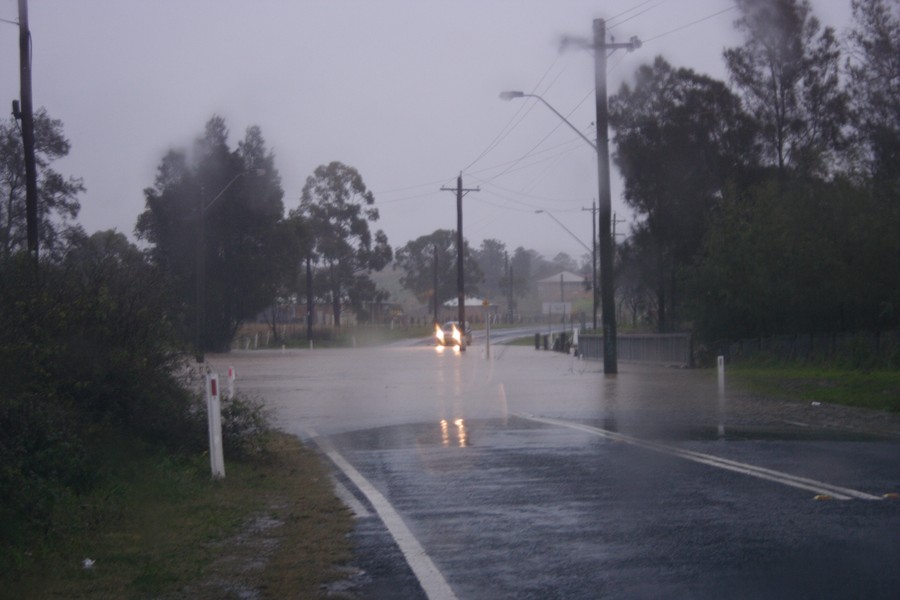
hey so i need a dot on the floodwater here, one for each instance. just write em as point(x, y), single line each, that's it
point(534, 475)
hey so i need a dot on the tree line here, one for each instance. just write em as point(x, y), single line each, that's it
point(767, 204)
point(764, 204)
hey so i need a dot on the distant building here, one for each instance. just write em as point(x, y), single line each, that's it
point(475, 310)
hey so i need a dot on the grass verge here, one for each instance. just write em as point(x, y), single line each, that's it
point(873, 389)
point(162, 528)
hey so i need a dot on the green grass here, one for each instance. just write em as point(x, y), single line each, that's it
point(162, 528)
point(865, 389)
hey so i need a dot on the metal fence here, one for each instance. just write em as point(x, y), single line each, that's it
point(673, 349)
point(858, 348)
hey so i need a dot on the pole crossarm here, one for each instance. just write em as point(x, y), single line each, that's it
point(581, 43)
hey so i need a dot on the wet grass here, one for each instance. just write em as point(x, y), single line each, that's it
point(162, 528)
point(878, 390)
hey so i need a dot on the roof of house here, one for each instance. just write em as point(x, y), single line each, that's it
point(468, 302)
point(567, 277)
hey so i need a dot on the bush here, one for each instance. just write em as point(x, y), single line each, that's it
point(43, 464)
point(245, 426)
point(86, 348)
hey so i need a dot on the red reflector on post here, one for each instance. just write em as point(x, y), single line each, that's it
point(212, 387)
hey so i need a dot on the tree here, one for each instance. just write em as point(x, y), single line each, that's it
point(57, 195)
point(632, 285)
point(681, 138)
point(215, 222)
point(491, 260)
point(521, 265)
point(565, 262)
point(874, 68)
point(417, 260)
point(338, 208)
point(788, 73)
point(766, 270)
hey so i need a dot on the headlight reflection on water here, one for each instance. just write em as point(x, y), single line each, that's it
point(462, 437)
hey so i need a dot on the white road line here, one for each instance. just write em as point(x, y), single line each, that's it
point(431, 579)
point(345, 496)
point(819, 487)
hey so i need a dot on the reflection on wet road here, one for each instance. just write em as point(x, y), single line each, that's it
point(653, 483)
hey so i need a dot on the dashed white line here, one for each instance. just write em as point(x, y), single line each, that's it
point(819, 487)
point(430, 578)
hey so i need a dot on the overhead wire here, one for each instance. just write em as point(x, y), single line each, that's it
point(542, 140)
point(522, 112)
point(691, 24)
point(512, 123)
point(625, 12)
point(655, 4)
point(558, 150)
point(646, 10)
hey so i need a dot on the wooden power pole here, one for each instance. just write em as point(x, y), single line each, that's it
point(460, 279)
point(607, 289)
point(27, 115)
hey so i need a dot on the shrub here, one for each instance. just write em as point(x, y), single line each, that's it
point(245, 425)
point(86, 347)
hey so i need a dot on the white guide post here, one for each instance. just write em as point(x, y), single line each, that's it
point(214, 413)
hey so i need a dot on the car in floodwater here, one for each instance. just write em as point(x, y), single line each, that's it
point(451, 334)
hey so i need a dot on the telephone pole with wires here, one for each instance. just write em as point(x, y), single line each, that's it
point(600, 47)
point(607, 289)
point(460, 280)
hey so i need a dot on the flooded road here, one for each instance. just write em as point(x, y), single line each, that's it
point(532, 475)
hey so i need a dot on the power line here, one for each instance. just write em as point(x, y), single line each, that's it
point(543, 139)
point(625, 12)
point(530, 208)
point(572, 147)
point(510, 125)
point(410, 187)
point(521, 202)
point(692, 23)
point(646, 10)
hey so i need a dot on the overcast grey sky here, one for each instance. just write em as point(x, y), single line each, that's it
point(403, 90)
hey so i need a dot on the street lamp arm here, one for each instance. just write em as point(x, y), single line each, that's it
point(511, 95)
point(558, 222)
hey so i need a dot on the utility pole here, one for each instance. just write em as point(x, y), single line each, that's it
point(434, 286)
point(460, 283)
point(615, 221)
point(27, 115)
point(607, 290)
point(509, 288)
point(593, 210)
point(200, 316)
point(310, 307)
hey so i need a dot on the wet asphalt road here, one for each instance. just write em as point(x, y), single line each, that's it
point(533, 475)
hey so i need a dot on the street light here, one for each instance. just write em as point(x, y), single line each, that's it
point(607, 291)
point(512, 95)
point(201, 257)
point(593, 252)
